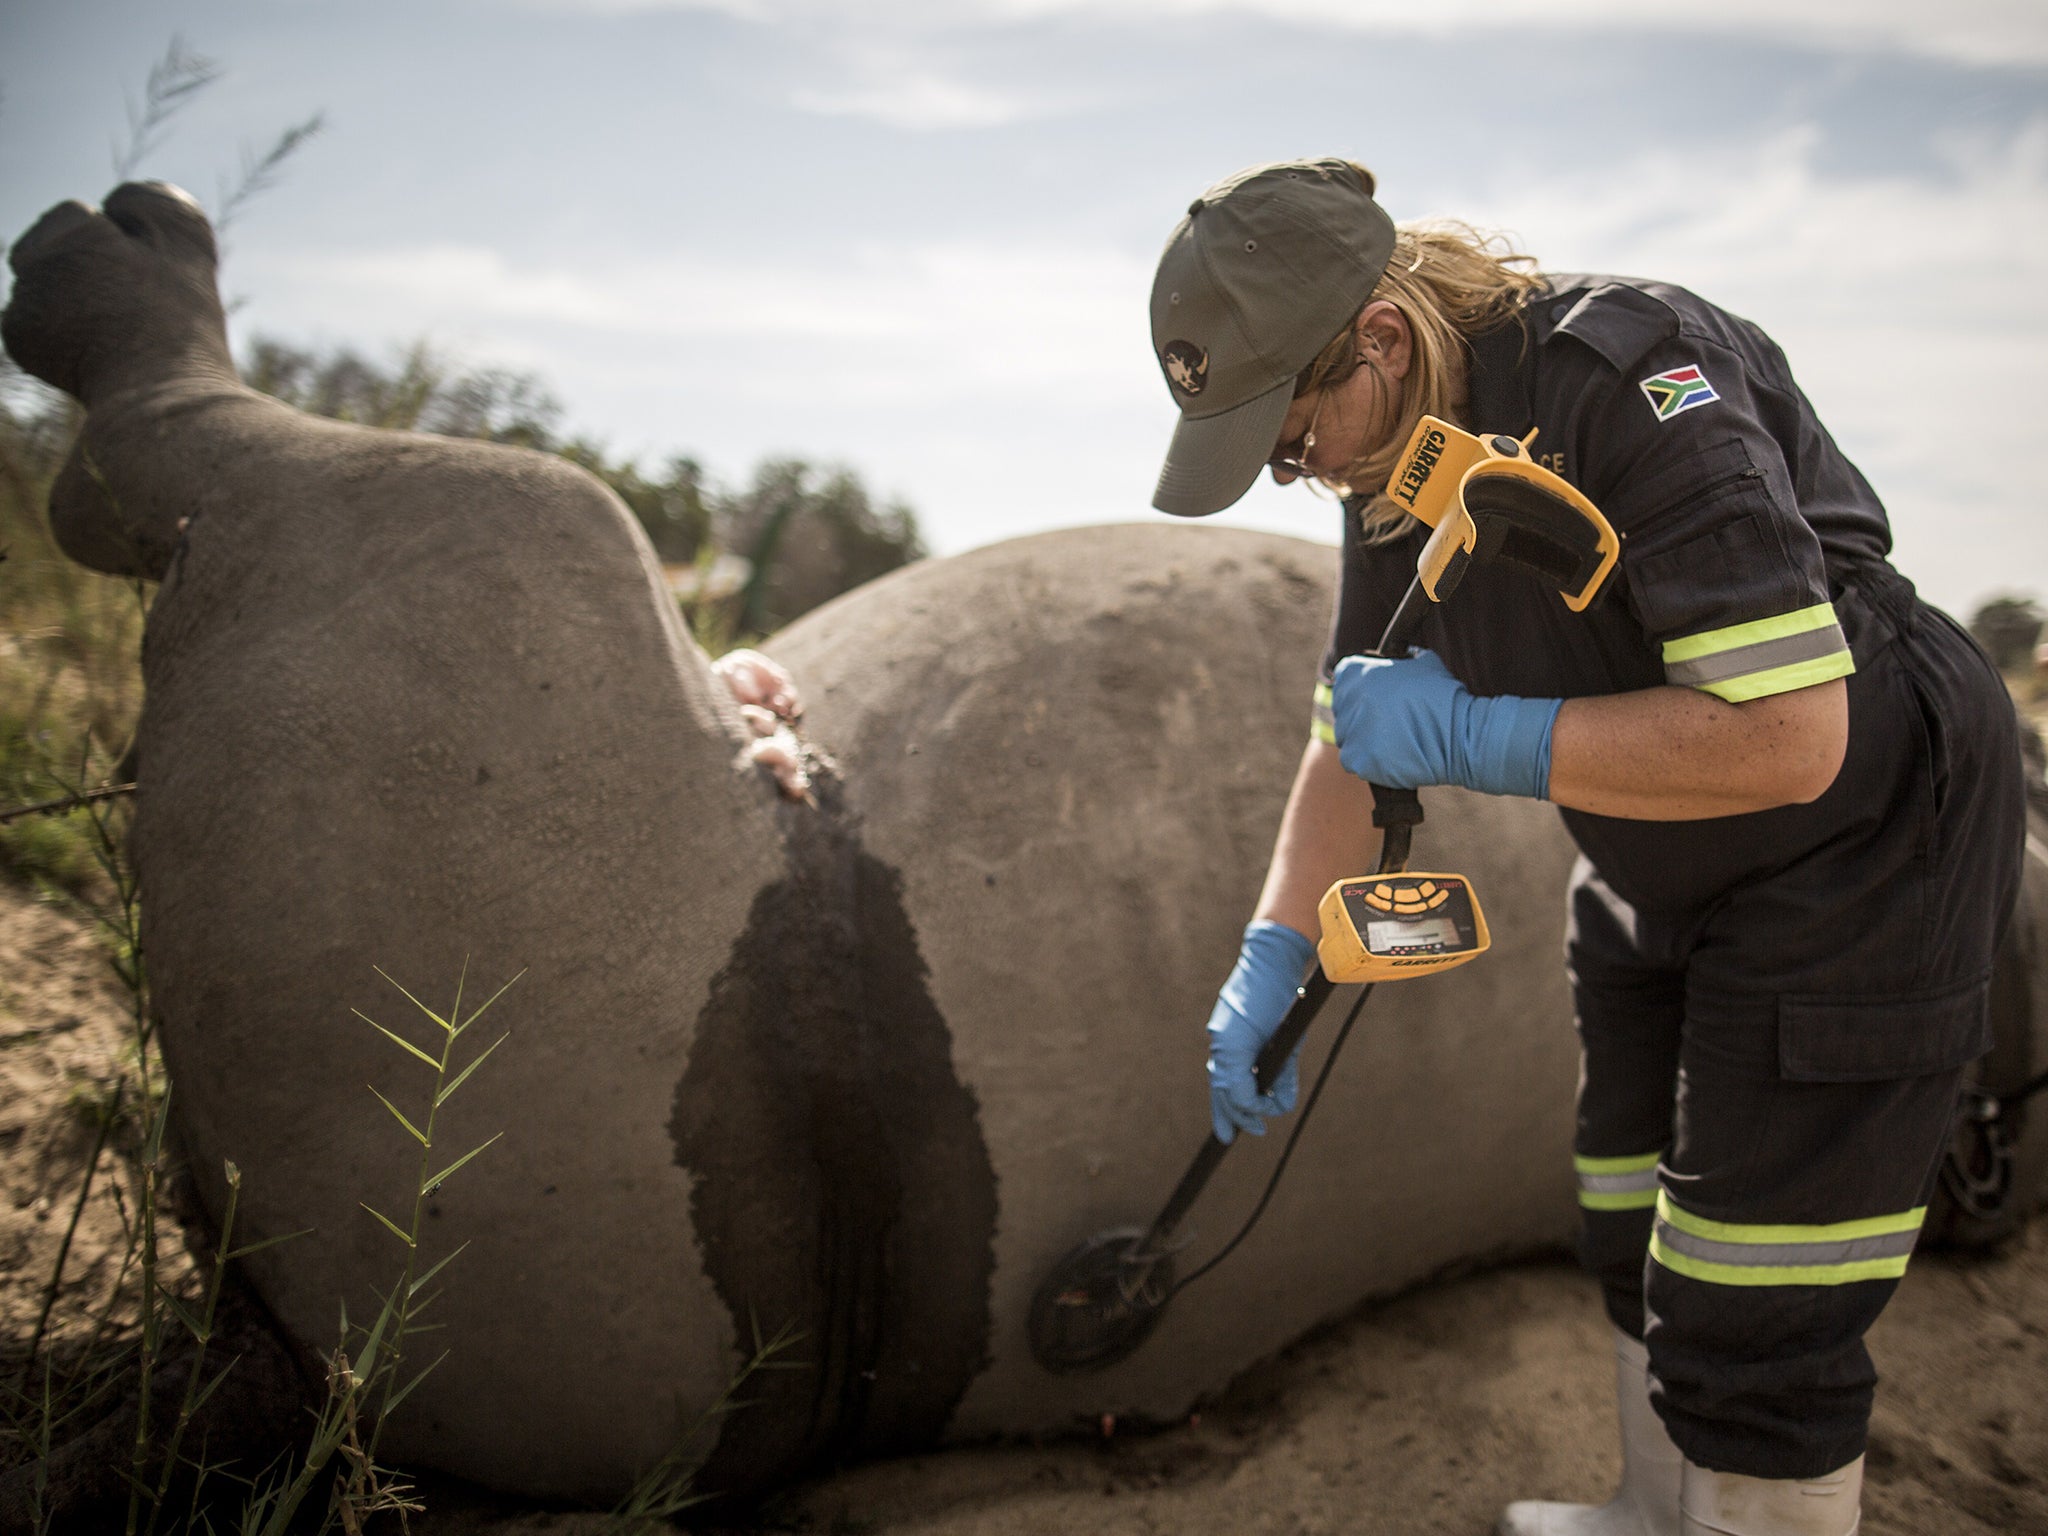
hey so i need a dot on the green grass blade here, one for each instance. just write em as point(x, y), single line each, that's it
point(199, 1401)
point(257, 1247)
point(442, 1177)
point(399, 1040)
point(399, 1115)
point(461, 982)
point(463, 1076)
point(421, 1283)
point(366, 1357)
point(155, 1149)
point(395, 1229)
point(177, 1309)
point(128, 1477)
point(423, 1008)
point(406, 1391)
point(488, 1001)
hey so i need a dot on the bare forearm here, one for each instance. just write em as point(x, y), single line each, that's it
point(1677, 754)
point(1325, 835)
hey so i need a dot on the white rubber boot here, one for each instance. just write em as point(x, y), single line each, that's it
point(1728, 1504)
point(1647, 1503)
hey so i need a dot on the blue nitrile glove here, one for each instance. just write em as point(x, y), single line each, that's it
point(1410, 723)
point(1248, 1012)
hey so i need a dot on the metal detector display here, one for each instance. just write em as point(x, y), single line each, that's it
point(1388, 927)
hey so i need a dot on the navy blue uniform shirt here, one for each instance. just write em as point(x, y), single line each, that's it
point(1753, 562)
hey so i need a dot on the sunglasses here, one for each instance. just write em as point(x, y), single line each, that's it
point(1295, 462)
point(1293, 457)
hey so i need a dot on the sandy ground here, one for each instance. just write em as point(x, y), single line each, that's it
point(65, 1035)
point(1424, 1414)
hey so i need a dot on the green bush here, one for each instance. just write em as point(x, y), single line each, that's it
point(70, 658)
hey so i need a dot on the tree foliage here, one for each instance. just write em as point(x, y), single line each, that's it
point(808, 534)
point(795, 536)
point(2008, 628)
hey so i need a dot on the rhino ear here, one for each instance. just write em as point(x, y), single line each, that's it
point(87, 521)
point(164, 217)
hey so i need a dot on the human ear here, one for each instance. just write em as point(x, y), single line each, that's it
point(1385, 339)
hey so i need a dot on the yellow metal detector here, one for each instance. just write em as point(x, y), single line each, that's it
point(1485, 500)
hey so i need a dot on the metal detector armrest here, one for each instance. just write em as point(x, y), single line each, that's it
point(1487, 500)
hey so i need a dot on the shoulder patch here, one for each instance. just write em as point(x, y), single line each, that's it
point(1676, 390)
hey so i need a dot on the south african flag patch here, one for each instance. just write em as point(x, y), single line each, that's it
point(1677, 389)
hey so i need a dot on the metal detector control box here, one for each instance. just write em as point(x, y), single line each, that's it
point(1389, 927)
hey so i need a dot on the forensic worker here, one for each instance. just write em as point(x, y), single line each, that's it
point(1795, 788)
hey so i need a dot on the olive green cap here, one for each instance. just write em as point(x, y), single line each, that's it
point(1267, 266)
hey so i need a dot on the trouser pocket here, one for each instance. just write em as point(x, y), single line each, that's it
point(1807, 1136)
point(1830, 1038)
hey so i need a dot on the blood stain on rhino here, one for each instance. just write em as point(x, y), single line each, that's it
point(842, 1188)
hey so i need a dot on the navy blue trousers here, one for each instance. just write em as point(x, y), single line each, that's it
point(1769, 1083)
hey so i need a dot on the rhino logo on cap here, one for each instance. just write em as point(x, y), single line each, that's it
point(1187, 366)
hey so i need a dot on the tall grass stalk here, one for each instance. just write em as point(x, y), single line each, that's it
point(668, 1488)
point(200, 1326)
point(368, 1375)
point(174, 81)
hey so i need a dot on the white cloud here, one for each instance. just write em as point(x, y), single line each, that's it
point(896, 86)
point(884, 320)
point(477, 284)
point(1973, 31)
point(1914, 312)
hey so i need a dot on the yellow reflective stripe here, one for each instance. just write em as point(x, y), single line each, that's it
point(1779, 627)
point(1777, 1274)
point(1637, 1164)
point(1617, 1183)
point(1731, 1253)
point(1763, 657)
point(1323, 724)
point(1803, 674)
point(1628, 1200)
point(1834, 1232)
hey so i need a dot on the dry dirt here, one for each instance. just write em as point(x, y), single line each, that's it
point(1423, 1414)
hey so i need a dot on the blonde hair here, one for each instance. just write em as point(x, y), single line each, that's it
point(1450, 282)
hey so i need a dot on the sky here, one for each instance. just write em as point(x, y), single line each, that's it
point(917, 236)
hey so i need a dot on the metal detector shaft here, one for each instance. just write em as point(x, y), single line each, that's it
point(1395, 812)
point(1308, 1003)
point(1402, 626)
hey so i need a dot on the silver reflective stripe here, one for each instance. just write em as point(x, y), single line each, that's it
point(1762, 656)
point(1617, 1183)
point(1737, 1253)
point(1620, 1183)
point(1858, 1250)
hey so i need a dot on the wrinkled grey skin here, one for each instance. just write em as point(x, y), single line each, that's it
point(1076, 747)
point(415, 703)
